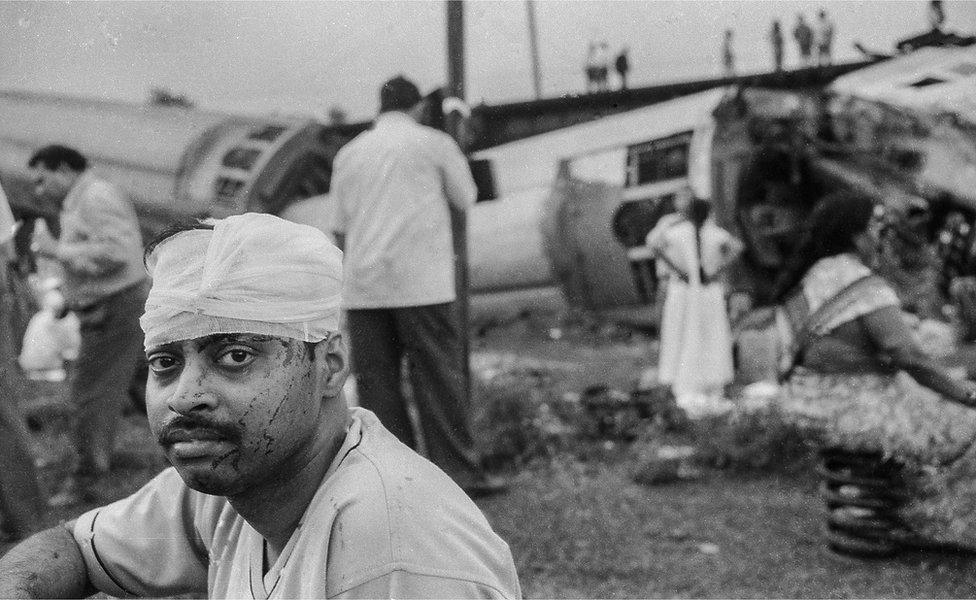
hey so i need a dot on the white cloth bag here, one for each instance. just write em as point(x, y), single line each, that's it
point(48, 342)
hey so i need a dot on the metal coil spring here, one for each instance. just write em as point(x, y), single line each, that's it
point(863, 492)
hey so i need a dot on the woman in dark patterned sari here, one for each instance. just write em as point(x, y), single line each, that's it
point(862, 379)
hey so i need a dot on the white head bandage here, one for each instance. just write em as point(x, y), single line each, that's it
point(253, 273)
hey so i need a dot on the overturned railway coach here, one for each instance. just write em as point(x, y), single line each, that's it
point(174, 162)
point(571, 207)
point(901, 131)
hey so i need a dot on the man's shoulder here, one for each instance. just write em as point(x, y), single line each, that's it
point(384, 481)
point(104, 196)
point(352, 145)
point(402, 513)
point(436, 137)
point(380, 462)
point(98, 186)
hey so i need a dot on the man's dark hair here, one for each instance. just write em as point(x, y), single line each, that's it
point(829, 230)
point(398, 93)
point(698, 211)
point(53, 156)
point(170, 231)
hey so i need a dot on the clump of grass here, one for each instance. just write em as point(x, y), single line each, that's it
point(519, 419)
point(762, 439)
point(739, 441)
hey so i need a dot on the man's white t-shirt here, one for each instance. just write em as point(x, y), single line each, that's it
point(385, 523)
point(391, 187)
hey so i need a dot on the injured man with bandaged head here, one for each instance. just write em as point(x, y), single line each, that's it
point(277, 489)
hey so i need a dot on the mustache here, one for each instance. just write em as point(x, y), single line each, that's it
point(196, 427)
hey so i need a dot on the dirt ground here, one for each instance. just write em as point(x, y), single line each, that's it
point(579, 527)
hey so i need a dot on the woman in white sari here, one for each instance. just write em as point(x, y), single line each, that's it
point(696, 347)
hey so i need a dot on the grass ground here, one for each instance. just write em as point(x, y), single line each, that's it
point(579, 527)
point(583, 529)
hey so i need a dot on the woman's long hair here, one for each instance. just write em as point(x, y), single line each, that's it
point(698, 211)
point(831, 229)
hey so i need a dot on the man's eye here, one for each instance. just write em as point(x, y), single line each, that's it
point(235, 357)
point(161, 364)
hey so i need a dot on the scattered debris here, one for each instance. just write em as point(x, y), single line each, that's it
point(708, 548)
point(698, 405)
point(666, 464)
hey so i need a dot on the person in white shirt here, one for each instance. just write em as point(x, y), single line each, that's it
point(696, 348)
point(825, 38)
point(99, 250)
point(393, 187)
point(277, 489)
point(20, 497)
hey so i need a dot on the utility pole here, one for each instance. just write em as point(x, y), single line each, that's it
point(459, 224)
point(534, 49)
point(455, 48)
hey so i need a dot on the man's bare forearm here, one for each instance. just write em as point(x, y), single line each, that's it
point(45, 565)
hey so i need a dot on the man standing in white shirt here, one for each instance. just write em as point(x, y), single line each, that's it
point(392, 188)
point(825, 38)
point(100, 253)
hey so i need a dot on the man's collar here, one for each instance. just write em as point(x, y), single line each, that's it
point(82, 181)
point(77, 188)
point(394, 116)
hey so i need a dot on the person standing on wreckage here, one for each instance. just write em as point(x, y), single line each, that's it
point(277, 489)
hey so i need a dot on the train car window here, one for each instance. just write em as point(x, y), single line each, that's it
point(658, 160)
point(926, 81)
point(905, 159)
point(635, 219)
point(267, 133)
point(609, 166)
point(241, 158)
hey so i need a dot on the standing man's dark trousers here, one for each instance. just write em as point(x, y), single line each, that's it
point(111, 342)
point(20, 497)
point(430, 339)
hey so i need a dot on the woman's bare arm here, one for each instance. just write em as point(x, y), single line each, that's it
point(895, 341)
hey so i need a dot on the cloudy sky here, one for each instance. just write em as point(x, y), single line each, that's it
point(310, 56)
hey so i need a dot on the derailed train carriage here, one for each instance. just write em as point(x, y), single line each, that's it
point(901, 131)
point(571, 207)
point(174, 162)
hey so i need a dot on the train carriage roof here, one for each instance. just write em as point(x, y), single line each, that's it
point(929, 80)
point(143, 136)
point(532, 162)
